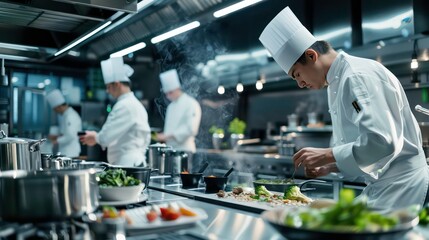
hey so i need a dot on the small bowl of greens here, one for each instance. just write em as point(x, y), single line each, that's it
point(116, 185)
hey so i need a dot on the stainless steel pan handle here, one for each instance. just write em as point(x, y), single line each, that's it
point(421, 109)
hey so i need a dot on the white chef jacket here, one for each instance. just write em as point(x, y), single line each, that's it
point(69, 123)
point(126, 132)
point(182, 120)
point(375, 134)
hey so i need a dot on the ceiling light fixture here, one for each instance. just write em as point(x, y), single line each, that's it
point(259, 85)
point(239, 87)
point(18, 47)
point(13, 57)
point(175, 32)
point(221, 89)
point(128, 50)
point(234, 7)
point(414, 63)
point(78, 41)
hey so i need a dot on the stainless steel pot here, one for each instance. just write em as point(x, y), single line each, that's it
point(155, 152)
point(47, 195)
point(19, 153)
point(172, 162)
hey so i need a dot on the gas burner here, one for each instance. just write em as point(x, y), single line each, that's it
point(44, 231)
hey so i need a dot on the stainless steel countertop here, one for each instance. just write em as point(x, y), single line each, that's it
point(223, 222)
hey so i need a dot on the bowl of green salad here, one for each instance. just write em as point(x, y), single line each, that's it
point(116, 185)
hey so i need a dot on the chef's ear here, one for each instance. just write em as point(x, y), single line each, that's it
point(312, 54)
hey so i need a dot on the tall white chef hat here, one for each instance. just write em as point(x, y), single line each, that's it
point(114, 70)
point(169, 80)
point(55, 98)
point(286, 39)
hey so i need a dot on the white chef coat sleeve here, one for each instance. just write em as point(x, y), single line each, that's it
point(70, 128)
point(191, 122)
point(379, 122)
point(117, 124)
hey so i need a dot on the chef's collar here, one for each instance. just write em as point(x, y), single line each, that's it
point(335, 68)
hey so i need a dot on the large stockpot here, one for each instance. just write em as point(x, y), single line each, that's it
point(33, 196)
point(19, 153)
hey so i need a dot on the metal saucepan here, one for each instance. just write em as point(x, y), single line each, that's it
point(282, 185)
point(19, 153)
point(33, 196)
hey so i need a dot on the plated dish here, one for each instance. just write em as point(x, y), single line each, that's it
point(406, 223)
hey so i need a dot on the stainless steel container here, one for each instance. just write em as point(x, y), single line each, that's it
point(19, 153)
point(47, 195)
point(173, 162)
point(155, 152)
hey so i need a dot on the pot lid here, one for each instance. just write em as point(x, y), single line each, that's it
point(5, 139)
point(159, 145)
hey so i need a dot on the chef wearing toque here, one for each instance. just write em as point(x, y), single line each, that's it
point(126, 132)
point(183, 116)
point(69, 124)
point(375, 135)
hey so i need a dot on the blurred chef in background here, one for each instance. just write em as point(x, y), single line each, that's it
point(375, 134)
point(70, 124)
point(183, 116)
point(126, 132)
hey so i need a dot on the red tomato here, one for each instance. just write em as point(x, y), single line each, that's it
point(151, 216)
point(164, 212)
point(172, 215)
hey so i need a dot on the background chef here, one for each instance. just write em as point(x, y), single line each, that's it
point(126, 132)
point(183, 115)
point(69, 124)
point(375, 133)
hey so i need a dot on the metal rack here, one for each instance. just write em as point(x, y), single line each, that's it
point(6, 103)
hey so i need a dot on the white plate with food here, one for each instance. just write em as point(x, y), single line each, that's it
point(141, 198)
point(347, 219)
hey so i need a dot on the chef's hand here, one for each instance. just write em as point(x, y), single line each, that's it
point(321, 171)
point(315, 161)
point(88, 138)
point(161, 137)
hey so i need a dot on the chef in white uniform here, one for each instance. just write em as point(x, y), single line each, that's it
point(375, 134)
point(183, 115)
point(69, 124)
point(126, 132)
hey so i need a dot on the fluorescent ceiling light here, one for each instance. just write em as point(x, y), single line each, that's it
point(394, 22)
point(12, 57)
point(18, 47)
point(175, 32)
point(83, 38)
point(144, 4)
point(234, 7)
point(128, 50)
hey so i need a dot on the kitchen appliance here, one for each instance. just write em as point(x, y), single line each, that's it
point(35, 196)
point(19, 153)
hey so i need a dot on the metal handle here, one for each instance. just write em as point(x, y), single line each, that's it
point(33, 146)
point(421, 109)
point(2, 134)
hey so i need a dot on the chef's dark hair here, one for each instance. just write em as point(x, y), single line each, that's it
point(322, 47)
point(128, 84)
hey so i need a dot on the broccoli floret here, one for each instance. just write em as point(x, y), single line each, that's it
point(261, 190)
point(293, 193)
